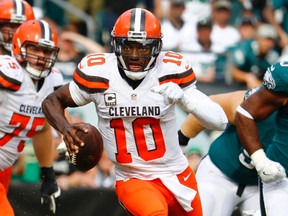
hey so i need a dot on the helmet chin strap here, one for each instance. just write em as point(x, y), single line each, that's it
point(150, 63)
point(136, 75)
point(36, 74)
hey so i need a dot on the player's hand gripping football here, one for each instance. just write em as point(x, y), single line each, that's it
point(49, 189)
point(268, 170)
point(72, 141)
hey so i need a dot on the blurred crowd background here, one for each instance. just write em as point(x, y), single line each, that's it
point(229, 43)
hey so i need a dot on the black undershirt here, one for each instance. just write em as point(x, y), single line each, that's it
point(39, 84)
point(133, 83)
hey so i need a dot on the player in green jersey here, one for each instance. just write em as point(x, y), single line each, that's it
point(269, 165)
point(226, 177)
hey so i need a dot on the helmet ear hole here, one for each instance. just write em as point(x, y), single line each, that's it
point(19, 58)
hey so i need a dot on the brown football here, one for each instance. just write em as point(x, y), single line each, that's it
point(90, 154)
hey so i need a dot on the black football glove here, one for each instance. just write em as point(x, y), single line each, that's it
point(49, 189)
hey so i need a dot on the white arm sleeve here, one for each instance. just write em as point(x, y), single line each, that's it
point(209, 114)
point(80, 97)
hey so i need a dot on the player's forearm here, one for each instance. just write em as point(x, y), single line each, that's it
point(247, 132)
point(191, 127)
point(209, 114)
point(53, 109)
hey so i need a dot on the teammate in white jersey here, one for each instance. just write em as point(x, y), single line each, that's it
point(12, 14)
point(135, 91)
point(26, 79)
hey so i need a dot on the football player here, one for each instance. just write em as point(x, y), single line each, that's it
point(12, 14)
point(272, 164)
point(9, 22)
point(226, 177)
point(26, 78)
point(135, 91)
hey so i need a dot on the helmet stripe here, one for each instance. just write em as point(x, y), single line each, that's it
point(19, 7)
point(45, 30)
point(137, 20)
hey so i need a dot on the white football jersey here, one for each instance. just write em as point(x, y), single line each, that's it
point(20, 107)
point(138, 126)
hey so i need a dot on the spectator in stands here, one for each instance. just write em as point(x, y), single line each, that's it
point(91, 7)
point(73, 47)
point(247, 27)
point(223, 33)
point(176, 31)
point(108, 15)
point(251, 58)
point(102, 175)
point(194, 155)
point(254, 8)
point(197, 10)
point(157, 8)
point(202, 52)
point(281, 25)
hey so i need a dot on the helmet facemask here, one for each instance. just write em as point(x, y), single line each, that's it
point(147, 49)
point(7, 30)
point(37, 50)
point(38, 66)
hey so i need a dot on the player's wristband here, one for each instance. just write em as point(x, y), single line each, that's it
point(47, 173)
point(258, 156)
point(183, 140)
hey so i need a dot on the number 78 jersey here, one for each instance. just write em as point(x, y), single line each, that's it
point(138, 126)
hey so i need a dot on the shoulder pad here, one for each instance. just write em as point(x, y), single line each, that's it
point(11, 73)
point(276, 77)
point(176, 68)
point(91, 73)
point(57, 78)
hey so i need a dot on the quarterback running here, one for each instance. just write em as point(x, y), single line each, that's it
point(135, 91)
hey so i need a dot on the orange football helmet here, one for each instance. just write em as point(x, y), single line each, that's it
point(12, 14)
point(42, 36)
point(141, 26)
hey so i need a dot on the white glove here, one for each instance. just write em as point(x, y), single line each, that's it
point(268, 170)
point(171, 92)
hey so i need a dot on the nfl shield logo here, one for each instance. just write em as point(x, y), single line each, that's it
point(133, 97)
